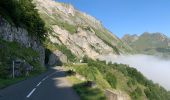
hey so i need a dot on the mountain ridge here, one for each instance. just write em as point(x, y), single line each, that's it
point(74, 39)
point(70, 25)
point(149, 43)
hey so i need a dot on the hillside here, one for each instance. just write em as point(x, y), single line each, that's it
point(79, 35)
point(79, 32)
point(149, 43)
point(38, 32)
point(125, 81)
point(21, 33)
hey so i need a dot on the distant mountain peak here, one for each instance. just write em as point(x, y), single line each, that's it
point(149, 43)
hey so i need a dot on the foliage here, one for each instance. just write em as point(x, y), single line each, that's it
point(52, 47)
point(112, 80)
point(89, 93)
point(152, 91)
point(92, 74)
point(136, 93)
point(85, 59)
point(107, 39)
point(57, 21)
point(83, 70)
point(155, 92)
point(95, 49)
point(86, 93)
point(8, 81)
point(67, 52)
point(71, 28)
point(23, 14)
point(134, 80)
point(12, 50)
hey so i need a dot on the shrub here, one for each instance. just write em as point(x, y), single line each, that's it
point(111, 80)
point(136, 93)
point(23, 14)
point(13, 50)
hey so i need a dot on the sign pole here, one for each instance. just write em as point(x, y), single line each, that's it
point(13, 72)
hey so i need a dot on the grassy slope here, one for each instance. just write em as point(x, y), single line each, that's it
point(122, 77)
point(52, 47)
point(112, 41)
point(19, 13)
point(86, 93)
point(49, 20)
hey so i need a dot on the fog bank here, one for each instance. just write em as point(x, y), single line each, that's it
point(154, 68)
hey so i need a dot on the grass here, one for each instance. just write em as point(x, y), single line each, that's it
point(23, 14)
point(116, 76)
point(117, 45)
point(14, 49)
point(107, 39)
point(6, 82)
point(89, 93)
point(9, 81)
point(92, 73)
point(64, 25)
point(52, 47)
point(86, 93)
point(10, 51)
point(95, 49)
point(71, 28)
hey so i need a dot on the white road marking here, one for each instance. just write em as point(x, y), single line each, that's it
point(52, 74)
point(39, 84)
point(48, 76)
point(31, 93)
point(44, 78)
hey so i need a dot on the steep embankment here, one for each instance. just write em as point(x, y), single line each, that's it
point(79, 32)
point(119, 78)
point(21, 33)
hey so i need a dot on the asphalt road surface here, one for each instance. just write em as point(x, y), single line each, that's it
point(51, 85)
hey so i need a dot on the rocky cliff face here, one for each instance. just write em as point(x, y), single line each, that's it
point(83, 42)
point(79, 32)
point(20, 35)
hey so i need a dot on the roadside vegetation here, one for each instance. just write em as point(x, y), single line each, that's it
point(22, 13)
point(86, 93)
point(9, 51)
point(120, 77)
point(53, 46)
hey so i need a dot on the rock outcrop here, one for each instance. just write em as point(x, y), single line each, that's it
point(78, 31)
point(83, 42)
point(116, 95)
point(20, 35)
point(57, 58)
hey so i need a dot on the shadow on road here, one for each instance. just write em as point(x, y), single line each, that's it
point(54, 87)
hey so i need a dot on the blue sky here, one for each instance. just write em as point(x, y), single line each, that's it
point(128, 16)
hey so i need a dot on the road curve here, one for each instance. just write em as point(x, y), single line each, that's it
point(51, 85)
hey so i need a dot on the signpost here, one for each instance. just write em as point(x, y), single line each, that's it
point(13, 70)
